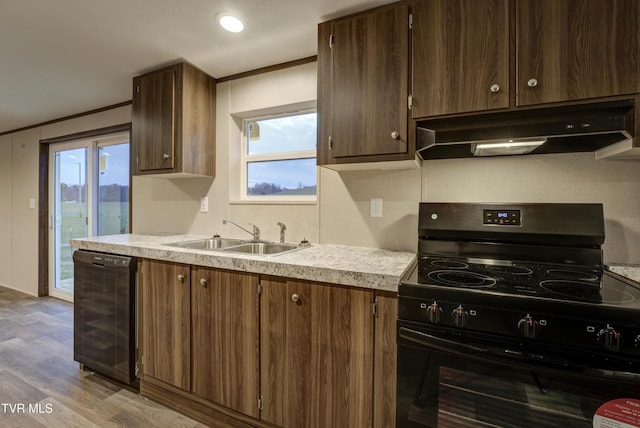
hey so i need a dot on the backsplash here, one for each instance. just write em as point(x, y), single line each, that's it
point(548, 178)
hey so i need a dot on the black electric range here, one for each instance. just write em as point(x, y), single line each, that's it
point(510, 319)
point(530, 271)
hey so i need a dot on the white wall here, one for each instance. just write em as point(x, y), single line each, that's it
point(6, 208)
point(178, 200)
point(19, 173)
point(342, 214)
point(340, 217)
point(568, 177)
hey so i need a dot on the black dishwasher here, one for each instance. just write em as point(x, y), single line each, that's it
point(104, 322)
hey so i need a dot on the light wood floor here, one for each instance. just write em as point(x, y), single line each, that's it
point(37, 371)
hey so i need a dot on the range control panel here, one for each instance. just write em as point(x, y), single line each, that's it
point(502, 217)
point(599, 335)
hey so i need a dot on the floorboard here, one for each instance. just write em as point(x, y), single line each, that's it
point(41, 385)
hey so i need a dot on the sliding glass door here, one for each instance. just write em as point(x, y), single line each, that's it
point(88, 196)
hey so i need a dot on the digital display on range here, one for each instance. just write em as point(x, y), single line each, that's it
point(502, 217)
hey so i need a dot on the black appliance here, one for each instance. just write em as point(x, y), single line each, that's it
point(510, 319)
point(566, 129)
point(104, 315)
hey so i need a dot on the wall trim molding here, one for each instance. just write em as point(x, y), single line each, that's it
point(73, 116)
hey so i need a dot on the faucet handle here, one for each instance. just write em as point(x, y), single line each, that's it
point(282, 226)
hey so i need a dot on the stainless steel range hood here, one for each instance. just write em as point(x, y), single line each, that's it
point(579, 128)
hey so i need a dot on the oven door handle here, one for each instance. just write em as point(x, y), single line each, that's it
point(508, 356)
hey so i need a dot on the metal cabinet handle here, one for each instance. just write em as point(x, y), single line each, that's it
point(532, 83)
point(204, 282)
point(165, 156)
point(180, 277)
point(395, 135)
point(295, 298)
point(495, 88)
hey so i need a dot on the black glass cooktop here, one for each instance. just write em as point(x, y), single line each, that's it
point(543, 280)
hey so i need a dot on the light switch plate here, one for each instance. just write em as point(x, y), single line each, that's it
point(204, 204)
point(375, 207)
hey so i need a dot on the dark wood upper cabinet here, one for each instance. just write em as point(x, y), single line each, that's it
point(575, 49)
point(173, 122)
point(362, 86)
point(460, 56)
point(473, 56)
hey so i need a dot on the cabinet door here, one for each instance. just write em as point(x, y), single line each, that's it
point(460, 56)
point(369, 83)
point(152, 124)
point(165, 329)
point(316, 354)
point(385, 360)
point(225, 338)
point(575, 49)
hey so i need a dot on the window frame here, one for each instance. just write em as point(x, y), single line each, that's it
point(246, 158)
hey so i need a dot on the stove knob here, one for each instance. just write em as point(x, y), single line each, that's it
point(610, 338)
point(434, 313)
point(460, 316)
point(529, 327)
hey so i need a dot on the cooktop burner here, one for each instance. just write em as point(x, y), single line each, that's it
point(544, 280)
point(461, 278)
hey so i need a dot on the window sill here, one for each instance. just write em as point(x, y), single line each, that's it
point(272, 202)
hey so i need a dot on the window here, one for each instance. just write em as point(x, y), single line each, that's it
point(278, 160)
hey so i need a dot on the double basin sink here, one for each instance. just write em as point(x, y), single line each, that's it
point(238, 246)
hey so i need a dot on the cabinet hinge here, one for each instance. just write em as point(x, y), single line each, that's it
point(260, 403)
point(330, 143)
point(374, 307)
point(410, 21)
point(137, 160)
point(259, 288)
point(410, 102)
point(331, 41)
point(138, 89)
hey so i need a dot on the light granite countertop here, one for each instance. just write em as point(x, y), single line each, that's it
point(629, 271)
point(337, 264)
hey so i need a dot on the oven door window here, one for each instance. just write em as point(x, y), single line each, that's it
point(444, 389)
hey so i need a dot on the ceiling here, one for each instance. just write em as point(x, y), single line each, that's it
point(64, 57)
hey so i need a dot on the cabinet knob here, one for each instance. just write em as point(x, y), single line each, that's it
point(495, 88)
point(180, 277)
point(165, 156)
point(395, 135)
point(532, 83)
point(204, 282)
point(295, 298)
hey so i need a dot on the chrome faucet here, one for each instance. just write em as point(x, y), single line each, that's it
point(255, 233)
point(282, 229)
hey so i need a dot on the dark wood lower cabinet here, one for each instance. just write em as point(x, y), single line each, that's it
point(316, 354)
point(224, 314)
point(299, 354)
point(166, 338)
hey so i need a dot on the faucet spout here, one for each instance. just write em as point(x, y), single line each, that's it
point(255, 233)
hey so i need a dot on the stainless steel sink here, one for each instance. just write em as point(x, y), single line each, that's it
point(208, 244)
point(265, 248)
point(238, 246)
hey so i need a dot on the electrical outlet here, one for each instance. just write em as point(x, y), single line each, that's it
point(204, 204)
point(375, 207)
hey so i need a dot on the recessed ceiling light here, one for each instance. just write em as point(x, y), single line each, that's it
point(230, 23)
